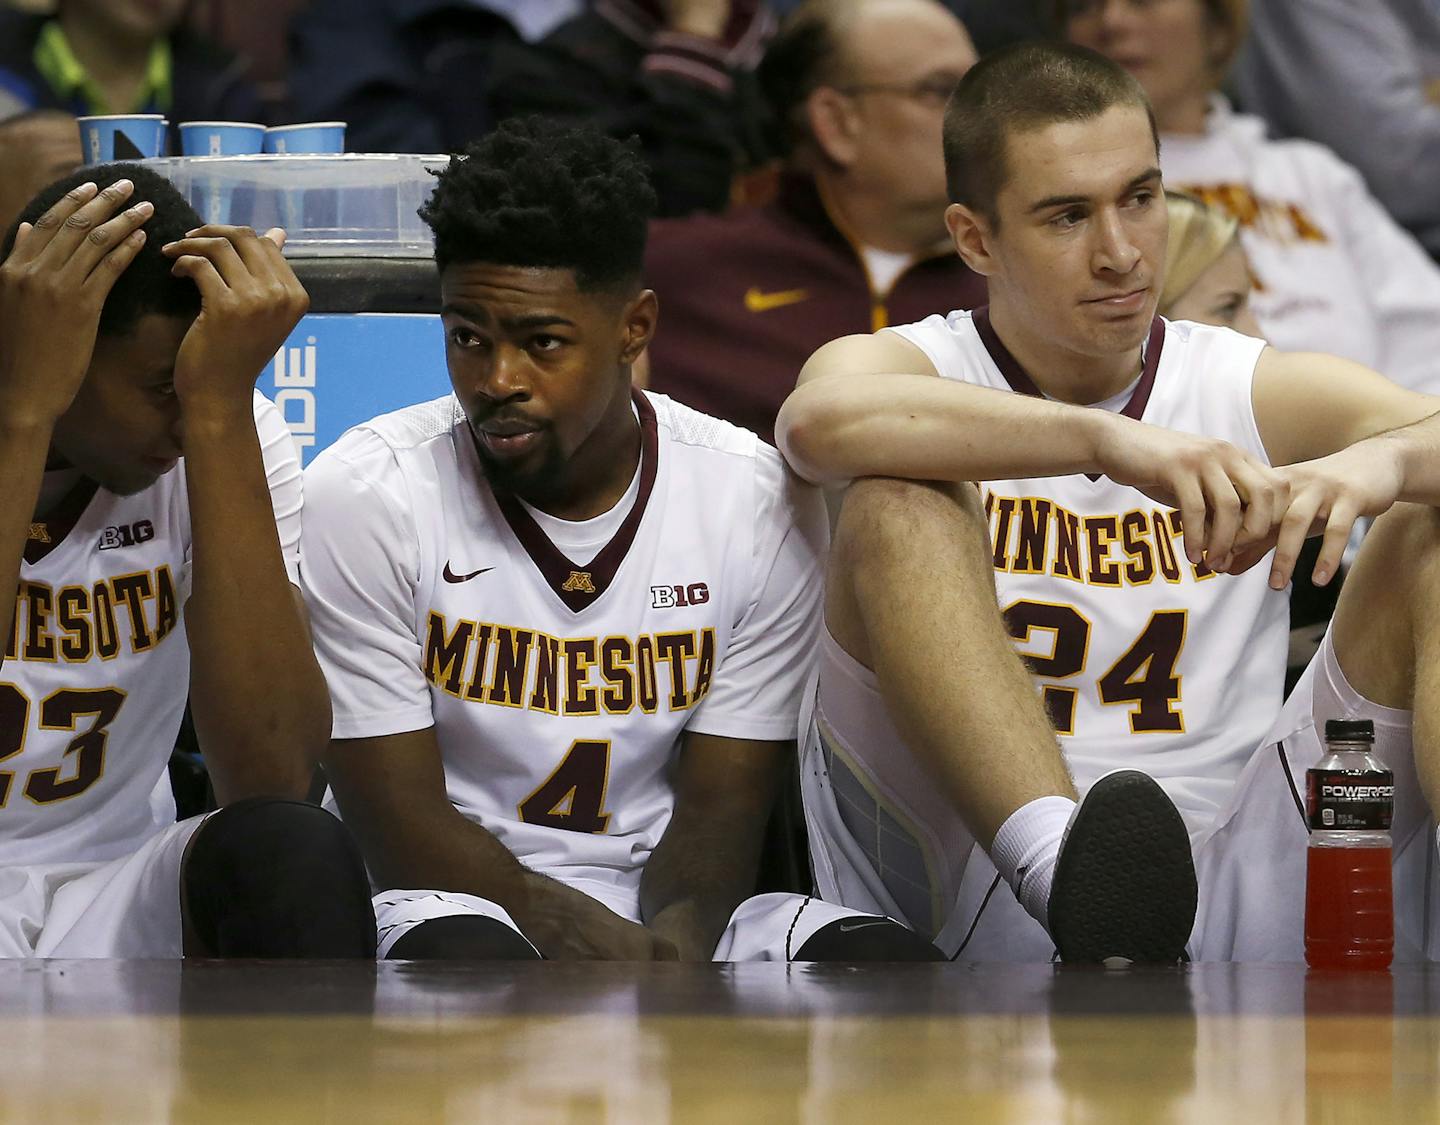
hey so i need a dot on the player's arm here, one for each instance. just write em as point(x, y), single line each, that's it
point(705, 864)
point(873, 406)
point(391, 792)
point(261, 710)
point(1352, 443)
point(53, 284)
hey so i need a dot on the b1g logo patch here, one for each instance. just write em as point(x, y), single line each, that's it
point(669, 597)
point(127, 535)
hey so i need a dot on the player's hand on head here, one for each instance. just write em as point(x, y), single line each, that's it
point(53, 285)
point(1230, 503)
point(250, 302)
point(1327, 496)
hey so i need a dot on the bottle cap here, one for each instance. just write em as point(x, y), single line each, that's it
point(1349, 730)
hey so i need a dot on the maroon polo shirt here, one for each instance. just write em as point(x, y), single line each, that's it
point(746, 297)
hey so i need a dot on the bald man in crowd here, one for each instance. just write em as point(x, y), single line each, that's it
point(36, 149)
point(855, 239)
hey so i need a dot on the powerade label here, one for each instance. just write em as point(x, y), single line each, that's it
point(1353, 800)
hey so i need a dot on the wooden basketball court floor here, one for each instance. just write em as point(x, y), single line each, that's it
point(153, 1041)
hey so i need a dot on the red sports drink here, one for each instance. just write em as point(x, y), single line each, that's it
point(1350, 796)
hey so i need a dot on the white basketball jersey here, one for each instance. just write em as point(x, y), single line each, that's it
point(97, 668)
point(1144, 660)
point(559, 686)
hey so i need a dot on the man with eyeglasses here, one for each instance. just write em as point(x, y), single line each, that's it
point(855, 238)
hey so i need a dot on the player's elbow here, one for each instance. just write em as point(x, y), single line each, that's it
point(807, 432)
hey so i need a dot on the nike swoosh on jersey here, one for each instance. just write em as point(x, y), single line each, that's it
point(450, 576)
point(758, 302)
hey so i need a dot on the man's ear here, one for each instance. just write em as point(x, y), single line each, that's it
point(833, 123)
point(973, 236)
point(637, 322)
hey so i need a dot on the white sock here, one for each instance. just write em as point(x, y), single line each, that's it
point(1026, 848)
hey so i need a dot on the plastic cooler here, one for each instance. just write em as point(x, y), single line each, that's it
point(372, 341)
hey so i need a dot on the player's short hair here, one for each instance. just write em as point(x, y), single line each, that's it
point(1199, 234)
point(1019, 89)
point(146, 286)
point(540, 193)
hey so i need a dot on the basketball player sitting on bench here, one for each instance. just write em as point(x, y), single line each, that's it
point(1133, 476)
point(141, 481)
point(565, 625)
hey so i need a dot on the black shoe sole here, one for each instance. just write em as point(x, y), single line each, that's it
point(1124, 883)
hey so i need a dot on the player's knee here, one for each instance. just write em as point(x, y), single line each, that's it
point(276, 878)
point(866, 938)
point(462, 937)
point(883, 518)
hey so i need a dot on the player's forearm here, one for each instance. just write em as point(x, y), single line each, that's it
point(695, 880)
point(1416, 451)
point(919, 427)
point(25, 445)
point(261, 708)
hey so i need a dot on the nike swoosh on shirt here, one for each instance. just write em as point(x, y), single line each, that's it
point(450, 576)
point(758, 302)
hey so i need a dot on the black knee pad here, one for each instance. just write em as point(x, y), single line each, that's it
point(462, 937)
point(275, 878)
point(866, 938)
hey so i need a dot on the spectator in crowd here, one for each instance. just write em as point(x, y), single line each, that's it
point(406, 74)
point(120, 56)
point(676, 73)
point(1207, 276)
point(856, 238)
point(1361, 78)
point(36, 148)
point(1333, 271)
point(992, 24)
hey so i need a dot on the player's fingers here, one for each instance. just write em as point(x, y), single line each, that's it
point(1265, 494)
point(1293, 530)
point(1191, 496)
point(206, 277)
point(74, 230)
point(1343, 515)
point(107, 237)
point(276, 236)
point(220, 252)
point(1223, 503)
point(112, 265)
point(43, 230)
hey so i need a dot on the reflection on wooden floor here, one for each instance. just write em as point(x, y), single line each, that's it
point(159, 1042)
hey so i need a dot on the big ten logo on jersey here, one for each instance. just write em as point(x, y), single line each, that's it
point(75, 623)
point(127, 535)
point(506, 666)
point(295, 375)
point(1029, 535)
point(672, 597)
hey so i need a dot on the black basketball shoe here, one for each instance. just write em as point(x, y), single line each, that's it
point(1124, 883)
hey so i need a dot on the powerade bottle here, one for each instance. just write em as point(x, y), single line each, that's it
point(1349, 799)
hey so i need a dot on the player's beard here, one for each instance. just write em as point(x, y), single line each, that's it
point(533, 478)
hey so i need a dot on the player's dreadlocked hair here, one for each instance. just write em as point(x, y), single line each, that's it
point(147, 285)
point(538, 193)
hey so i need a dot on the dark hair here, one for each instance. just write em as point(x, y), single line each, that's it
point(1020, 88)
point(801, 58)
point(540, 193)
point(147, 285)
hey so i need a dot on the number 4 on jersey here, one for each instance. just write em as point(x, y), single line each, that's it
point(573, 796)
point(1144, 676)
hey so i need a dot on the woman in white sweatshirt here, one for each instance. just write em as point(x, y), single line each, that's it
point(1332, 271)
